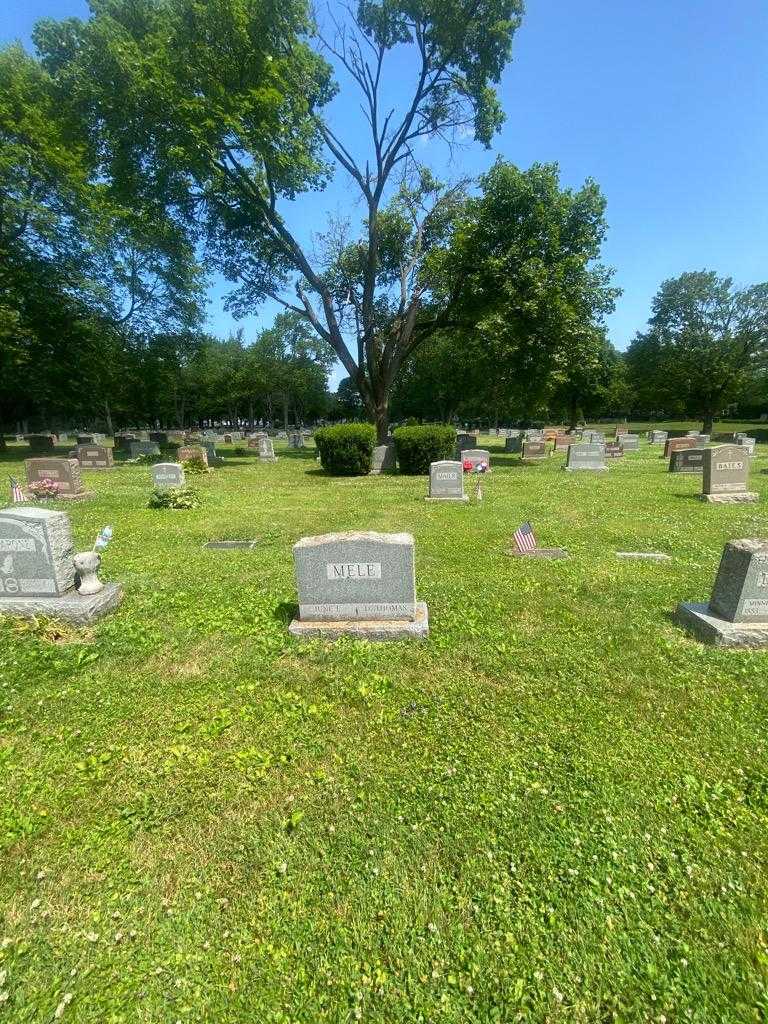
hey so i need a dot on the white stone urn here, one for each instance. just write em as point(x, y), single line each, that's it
point(87, 565)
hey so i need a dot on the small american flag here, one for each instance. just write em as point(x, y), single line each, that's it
point(524, 538)
point(17, 495)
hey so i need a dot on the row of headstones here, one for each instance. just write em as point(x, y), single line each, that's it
point(358, 583)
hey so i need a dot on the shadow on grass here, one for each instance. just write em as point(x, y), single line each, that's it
point(285, 612)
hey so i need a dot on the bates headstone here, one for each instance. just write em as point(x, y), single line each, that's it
point(168, 475)
point(737, 614)
point(726, 475)
point(360, 584)
point(446, 481)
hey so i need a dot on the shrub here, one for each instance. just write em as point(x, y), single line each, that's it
point(173, 497)
point(195, 465)
point(417, 447)
point(346, 450)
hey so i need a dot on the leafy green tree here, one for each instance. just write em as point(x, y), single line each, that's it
point(706, 345)
point(534, 290)
point(223, 134)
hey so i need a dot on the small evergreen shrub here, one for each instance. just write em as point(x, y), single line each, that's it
point(195, 465)
point(346, 450)
point(173, 497)
point(417, 447)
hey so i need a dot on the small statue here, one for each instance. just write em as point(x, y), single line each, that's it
point(87, 565)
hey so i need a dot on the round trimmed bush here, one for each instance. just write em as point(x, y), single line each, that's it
point(417, 447)
point(346, 450)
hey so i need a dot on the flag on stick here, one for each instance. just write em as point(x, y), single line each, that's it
point(524, 538)
point(17, 495)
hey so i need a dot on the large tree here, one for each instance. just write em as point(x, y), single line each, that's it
point(216, 111)
point(706, 344)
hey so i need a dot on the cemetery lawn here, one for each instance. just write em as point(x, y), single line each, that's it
point(554, 810)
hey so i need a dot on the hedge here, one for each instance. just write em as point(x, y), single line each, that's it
point(417, 447)
point(346, 450)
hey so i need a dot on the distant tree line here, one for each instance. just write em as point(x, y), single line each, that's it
point(134, 160)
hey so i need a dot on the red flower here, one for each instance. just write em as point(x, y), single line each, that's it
point(467, 464)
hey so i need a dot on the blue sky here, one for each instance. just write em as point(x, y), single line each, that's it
point(664, 103)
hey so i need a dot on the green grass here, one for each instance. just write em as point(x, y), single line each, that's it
point(554, 810)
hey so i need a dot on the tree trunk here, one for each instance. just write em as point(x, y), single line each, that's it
point(285, 412)
point(709, 421)
point(573, 418)
point(108, 418)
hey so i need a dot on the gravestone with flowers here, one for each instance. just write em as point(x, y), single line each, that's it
point(40, 573)
point(57, 479)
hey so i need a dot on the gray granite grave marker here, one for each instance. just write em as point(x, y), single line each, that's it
point(446, 481)
point(629, 442)
point(360, 584)
point(168, 476)
point(143, 448)
point(513, 444)
point(737, 613)
point(383, 459)
point(586, 456)
point(657, 436)
point(726, 474)
point(37, 573)
point(94, 456)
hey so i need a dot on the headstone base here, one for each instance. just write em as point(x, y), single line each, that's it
point(539, 553)
point(585, 469)
point(369, 629)
point(464, 498)
point(71, 607)
point(82, 496)
point(730, 499)
point(711, 629)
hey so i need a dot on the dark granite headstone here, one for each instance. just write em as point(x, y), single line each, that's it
point(534, 451)
point(687, 460)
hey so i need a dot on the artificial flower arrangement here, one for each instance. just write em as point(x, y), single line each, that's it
point(477, 469)
point(45, 489)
